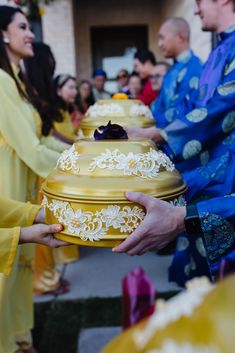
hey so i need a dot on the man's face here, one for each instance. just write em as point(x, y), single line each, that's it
point(208, 11)
point(99, 82)
point(168, 40)
point(141, 69)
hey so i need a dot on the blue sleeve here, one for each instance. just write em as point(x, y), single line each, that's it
point(217, 218)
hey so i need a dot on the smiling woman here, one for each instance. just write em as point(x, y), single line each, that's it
point(22, 158)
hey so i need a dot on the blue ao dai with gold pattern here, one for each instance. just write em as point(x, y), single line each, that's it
point(207, 141)
point(180, 81)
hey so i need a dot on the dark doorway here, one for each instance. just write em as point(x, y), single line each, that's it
point(115, 41)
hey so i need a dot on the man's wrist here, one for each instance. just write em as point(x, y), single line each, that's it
point(192, 220)
point(181, 213)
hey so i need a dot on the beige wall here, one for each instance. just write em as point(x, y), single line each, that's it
point(58, 32)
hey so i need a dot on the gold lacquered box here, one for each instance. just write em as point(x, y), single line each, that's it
point(86, 192)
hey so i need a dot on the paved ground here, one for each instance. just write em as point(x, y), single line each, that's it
point(93, 340)
point(99, 272)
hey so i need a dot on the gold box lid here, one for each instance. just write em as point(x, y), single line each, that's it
point(105, 170)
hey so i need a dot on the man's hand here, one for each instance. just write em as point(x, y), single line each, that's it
point(151, 133)
point(162, 223)
point(42, 234)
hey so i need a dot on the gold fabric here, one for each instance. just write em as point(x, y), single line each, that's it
point(22, 158)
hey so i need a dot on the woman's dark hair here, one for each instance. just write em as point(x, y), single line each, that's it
point(59, 82)
point(7, 14)
point(39, 71)
point(89, 101)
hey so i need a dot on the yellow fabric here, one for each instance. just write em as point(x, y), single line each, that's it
point(13, 214)
point(22, 158)
point(66, 254)
point(54, 144)
point(66, 127)
point(46, 276)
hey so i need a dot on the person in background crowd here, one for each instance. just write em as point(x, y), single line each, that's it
point(66, 90)
point(144, 64)
point(122, 79)
point(159, 72)
point(84, 100)
point(134, 86)
point(183, 77)
point(40, 70)
point(99, 78)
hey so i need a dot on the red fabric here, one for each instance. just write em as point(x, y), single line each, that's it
point(147, 95)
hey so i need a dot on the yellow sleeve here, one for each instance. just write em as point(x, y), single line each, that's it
point(9, 239)
point(54, 144)
point(17, 127)
point(13, 214)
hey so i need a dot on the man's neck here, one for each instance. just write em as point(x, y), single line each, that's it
point(225, 22)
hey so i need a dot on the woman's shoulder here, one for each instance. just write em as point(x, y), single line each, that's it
point(6, 80)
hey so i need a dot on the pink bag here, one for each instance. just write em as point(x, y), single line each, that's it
point(138, 297)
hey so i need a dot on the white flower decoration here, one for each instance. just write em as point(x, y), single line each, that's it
point(144, 165)
point(68, 161)
point(94, 226)
point(105, 110)
point(140, 110)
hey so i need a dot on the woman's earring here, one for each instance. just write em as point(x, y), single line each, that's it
point(6, 40)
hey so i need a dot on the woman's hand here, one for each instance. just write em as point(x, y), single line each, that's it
point(42, 234)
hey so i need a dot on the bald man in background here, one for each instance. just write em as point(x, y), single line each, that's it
point(183, 77)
